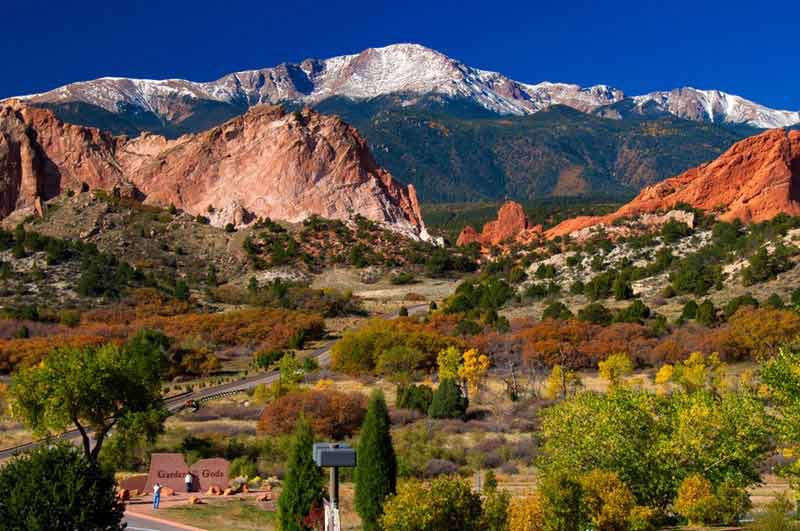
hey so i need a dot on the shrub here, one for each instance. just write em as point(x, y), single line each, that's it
point(418, 397)
point(741, 301)
point(448, 401)
point(696, 501)
point(595, 313)
point(333, 414)
point(358, 351)
point(763, 266)
point(637, 312)
point(443, 503)
point(674, 230)
point(242, 467)
point(622, 289)
point(689, 310)
point(440, 467)
point(402, 278)
point(557, 310)
point(495, 507)
point(526, 513)
point(607, 500)
point(775, 301)
point(399, 363)
point(706, 313)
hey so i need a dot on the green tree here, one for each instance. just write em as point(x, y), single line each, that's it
point(595, 313)
point(448, 401)
point(94, 389)
point(376, 471)
point(56, 487)
point(182, 290)
point(302, 488)
point(706, 313)
point(622, 289)
point(495, 509)
point(444, 503)
point(557, 310)
point(781, 375)
point(689, 310)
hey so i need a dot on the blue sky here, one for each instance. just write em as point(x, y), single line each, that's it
point(637, 46)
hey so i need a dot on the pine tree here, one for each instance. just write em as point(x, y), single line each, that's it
point(448, 401)
point(302, 489)
point(376, 471)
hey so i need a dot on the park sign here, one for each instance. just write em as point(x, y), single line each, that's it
point(170, 470)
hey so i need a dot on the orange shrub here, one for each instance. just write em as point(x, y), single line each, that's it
point(333, 414)
point(263, 328)
point(760, 331)
point(555, 342)
point(16, 353)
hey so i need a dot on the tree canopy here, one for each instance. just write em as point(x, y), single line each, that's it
point(94, 389)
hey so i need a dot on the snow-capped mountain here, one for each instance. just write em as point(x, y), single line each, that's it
point(408, 70)
point(714, 106)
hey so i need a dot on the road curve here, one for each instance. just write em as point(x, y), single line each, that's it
point(174, 404)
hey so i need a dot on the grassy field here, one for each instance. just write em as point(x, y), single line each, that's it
point(227, 515)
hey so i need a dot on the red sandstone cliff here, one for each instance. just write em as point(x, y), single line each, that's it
point(754, 180)
point(266, 162)
point(511, 224)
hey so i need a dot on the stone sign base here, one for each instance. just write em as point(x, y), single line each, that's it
point(170, 470)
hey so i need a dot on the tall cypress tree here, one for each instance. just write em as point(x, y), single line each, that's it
point(376, 470)
point(302, 488)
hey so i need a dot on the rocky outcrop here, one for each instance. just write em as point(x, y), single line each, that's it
point(265, 163)
point(753, 181)
point(511, 225)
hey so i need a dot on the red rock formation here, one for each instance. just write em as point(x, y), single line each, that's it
point(266, 162)
point(511, 225)
point(753, 181)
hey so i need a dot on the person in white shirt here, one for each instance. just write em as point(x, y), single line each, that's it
point(188, 481)
point(156, 495)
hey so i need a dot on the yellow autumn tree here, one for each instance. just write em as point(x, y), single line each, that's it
point(664, 377)
point(449, 361)
point(561, 382)
point(614, 368)
point(700, 372)
point(474, 369)
point(526, 513)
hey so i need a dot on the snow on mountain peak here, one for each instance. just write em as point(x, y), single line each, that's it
point(405, 68)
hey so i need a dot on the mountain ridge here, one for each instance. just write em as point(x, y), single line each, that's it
point(374, 72)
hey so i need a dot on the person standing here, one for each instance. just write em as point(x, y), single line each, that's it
point(188, 481)
point(156, 495)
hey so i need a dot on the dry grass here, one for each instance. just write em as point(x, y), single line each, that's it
point(383, 296)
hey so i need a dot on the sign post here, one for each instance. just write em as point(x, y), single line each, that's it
point(334, 456)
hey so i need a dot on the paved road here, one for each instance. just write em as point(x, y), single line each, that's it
point(137, 523)
point(175, 404)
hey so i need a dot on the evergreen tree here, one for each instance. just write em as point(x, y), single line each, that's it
point(376, 471)
point(57, 487)
point(302, 489)
point(448, 401)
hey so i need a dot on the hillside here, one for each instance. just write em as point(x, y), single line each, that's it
point(453, 151)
